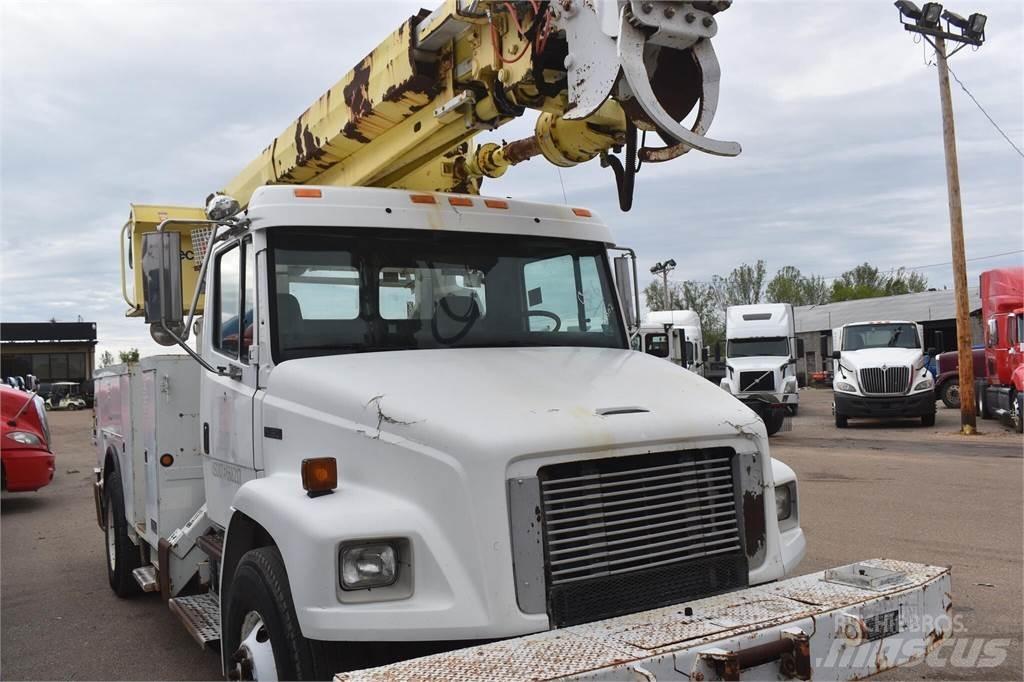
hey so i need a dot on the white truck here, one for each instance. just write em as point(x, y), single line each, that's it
point(760, 356)
point(674, 335)
point(411, 420)
point(880, 371)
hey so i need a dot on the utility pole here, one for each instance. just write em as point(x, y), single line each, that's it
point(663, 269)
point(972, 32)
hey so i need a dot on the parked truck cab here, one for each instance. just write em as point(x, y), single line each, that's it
point(761, 360)
point(881, 371)
point(674, 335)
point(1000, 393)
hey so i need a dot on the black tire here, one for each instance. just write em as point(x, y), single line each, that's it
point(1018, 425)
point(950, 394)
point(123, 558)
point(841, 421)
point(260, 584)
point(928, 419)
point(773, 420)
point(794, 409)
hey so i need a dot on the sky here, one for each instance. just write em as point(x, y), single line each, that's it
point(103, 104)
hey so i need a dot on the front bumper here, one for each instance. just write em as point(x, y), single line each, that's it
point(823, 626)
point(27, 470)
point(916, 405)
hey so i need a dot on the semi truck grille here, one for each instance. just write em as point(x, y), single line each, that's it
point(624, 534)
point(757, 381)
point(882, 381)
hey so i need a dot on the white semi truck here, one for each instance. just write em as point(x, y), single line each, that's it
point(880, 371)
point(674, 335)
point(410, 421)
point(760, 357)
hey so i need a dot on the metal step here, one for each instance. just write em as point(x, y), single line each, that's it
point(200, 614)
point(146, 578)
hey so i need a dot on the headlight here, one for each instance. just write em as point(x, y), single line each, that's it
point(25, 438)
point(921, 385)
point(843, 386)
point(370, 565)
point(783, 502)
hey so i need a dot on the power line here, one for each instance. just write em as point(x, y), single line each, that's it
point(982, 109)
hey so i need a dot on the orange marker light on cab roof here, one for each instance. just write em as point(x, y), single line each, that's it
point(319, 475)
point(460, 201)
point(423, 198)
point(308, 193)
point(582, 212)
point(495, 203)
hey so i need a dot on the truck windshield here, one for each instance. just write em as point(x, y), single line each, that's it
point(880, 336)
point(359, 290)
point(771, 346)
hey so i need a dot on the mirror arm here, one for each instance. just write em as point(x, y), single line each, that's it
point(220, 371)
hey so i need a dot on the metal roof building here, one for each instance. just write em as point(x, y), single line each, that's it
point(927, 306)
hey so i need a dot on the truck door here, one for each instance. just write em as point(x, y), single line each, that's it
point(227, 399)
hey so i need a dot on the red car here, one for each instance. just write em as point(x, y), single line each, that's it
point(27, 462)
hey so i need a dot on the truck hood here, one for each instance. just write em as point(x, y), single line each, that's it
point(505, 402)
point(876, 357)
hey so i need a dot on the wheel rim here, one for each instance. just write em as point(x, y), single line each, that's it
point(111, 546)
point(953, 393)
point(254, 658)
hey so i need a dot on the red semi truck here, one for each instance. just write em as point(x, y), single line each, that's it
point(1001, 393)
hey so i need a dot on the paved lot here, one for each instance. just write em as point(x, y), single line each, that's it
point(895, 490)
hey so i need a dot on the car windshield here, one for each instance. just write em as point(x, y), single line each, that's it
point(357, 290)
point(887, 335)
point(771, 346)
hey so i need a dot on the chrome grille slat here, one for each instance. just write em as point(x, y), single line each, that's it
point(888, 381)
point(547, 485)
point(634, 529)
point(677, 534)
point(606, 517)
point(604, 495)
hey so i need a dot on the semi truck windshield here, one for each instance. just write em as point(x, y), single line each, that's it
point(358, 290)
point(880, 336)
point(769, 346)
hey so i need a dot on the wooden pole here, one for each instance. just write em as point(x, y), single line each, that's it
point(968, 406)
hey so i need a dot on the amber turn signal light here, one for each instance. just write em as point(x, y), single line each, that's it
point(319, 475)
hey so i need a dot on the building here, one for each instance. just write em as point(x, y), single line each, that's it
point(52, 351)
point(935, 310)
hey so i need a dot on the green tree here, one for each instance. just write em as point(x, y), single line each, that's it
point(106, 359)
point(865, 281)
point(654, 293)
point(743, 286)
point(789, 285)
point(130, 355)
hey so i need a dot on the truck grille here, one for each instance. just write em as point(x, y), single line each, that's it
point(885, 381)
point(624, 534)
point(757, 381)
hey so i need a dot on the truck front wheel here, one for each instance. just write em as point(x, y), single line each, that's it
point(122, 555)
point(928, 419)
point(841, 421)
point(773, 419)
point(262, 638)
point(950, 394)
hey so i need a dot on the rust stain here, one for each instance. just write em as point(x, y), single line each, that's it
point(357, 92)
point(754, 528)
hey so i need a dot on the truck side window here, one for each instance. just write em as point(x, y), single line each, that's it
point(248, 299)
point(228, 296)
point(657, 345)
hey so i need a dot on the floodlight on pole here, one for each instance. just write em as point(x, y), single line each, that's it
point(663, 269)
point(930, 15)
point(908, 9)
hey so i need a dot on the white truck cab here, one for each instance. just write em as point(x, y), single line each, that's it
point(881, 370)
point(760, 357)
point(674, 335)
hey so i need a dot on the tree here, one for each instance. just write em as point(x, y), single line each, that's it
point(130, 355)
point(703, 300)
point(789, 285)
point(743, 286)
point(654, 293)
point(106, 359)
point(865, 281)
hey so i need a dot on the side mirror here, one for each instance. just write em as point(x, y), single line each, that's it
point(800, 348)
point(836, 355)
point(791, 361)
point(161, 282)
point(940, 340)
point(718, 351)
point(624, 285)
point(705, 353)
point(932, 352)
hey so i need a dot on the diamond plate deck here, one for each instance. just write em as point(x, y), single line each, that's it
point(200, 615)
point(623, 647)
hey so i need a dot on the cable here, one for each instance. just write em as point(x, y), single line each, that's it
point(978, 104)
point(565, 199)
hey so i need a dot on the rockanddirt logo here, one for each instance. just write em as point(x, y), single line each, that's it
point(953, 650)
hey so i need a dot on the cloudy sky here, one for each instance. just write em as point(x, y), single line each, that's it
point(107, 103)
